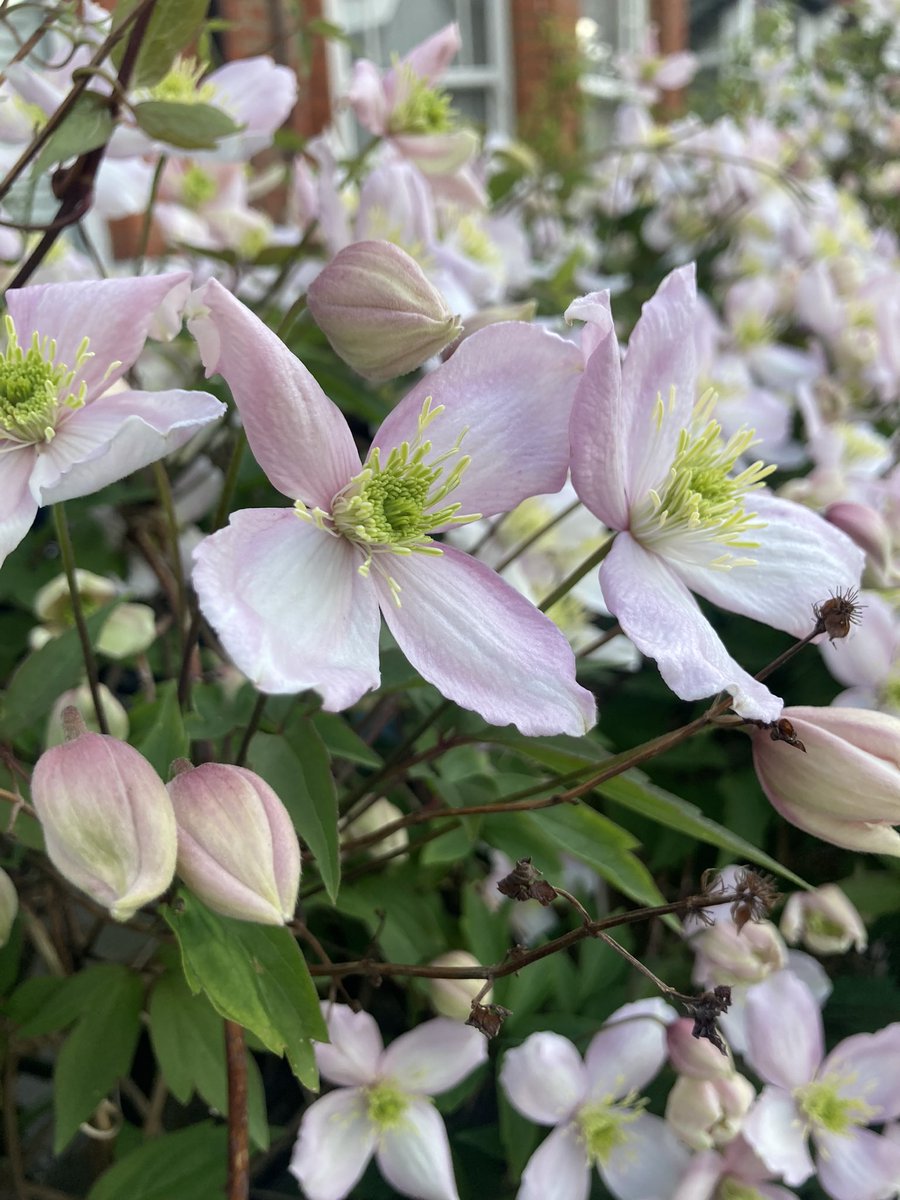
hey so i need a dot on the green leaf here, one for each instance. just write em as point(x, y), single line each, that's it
point(300, 772)
point(191, 1164)
point(342, 742)
point(254, 975)
point(406, 919)
point(87, 126)
point(188, 1039)
point(44, 675)
point(165, 738)
point(172, 28)
point(187, 126)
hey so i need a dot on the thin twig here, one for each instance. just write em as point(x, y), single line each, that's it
point(238, 1124)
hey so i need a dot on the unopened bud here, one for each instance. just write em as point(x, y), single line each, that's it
point(453, 997)
point(709, 1112)
point(824, 920)
point(81, 699)
point(694, 1056)
point(237, 848)
point(748, 955)
point(9, 906)
point(107, 819)
point(379, 311)
point(380, 813)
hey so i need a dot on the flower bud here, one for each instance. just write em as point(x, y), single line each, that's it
point(379, 311)
point(9, 906)
point(845, 788)
point(824, 920)
point(382, 812)
point(709, 1112)
point(81, 698)
point(107, 819)
point(453, 997)
point(868, 528)
point(237, 848)
point(694, 1056)
point(727, 955)
point(129, 629)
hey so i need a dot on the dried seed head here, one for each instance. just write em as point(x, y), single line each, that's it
point(783, 731)
point(756, 896)
point(488, 1018)
point(836, 615)
point(524, 882)
point(705, 1010)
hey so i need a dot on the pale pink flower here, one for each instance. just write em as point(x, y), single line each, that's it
point(824, 920)
point(735, 1174)
point(648, 460)
point(295, 592)
point(66, 430)
point(595, 1110)
point(383, 1106)
point(830, 1099)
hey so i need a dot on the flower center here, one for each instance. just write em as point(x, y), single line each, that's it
point(821, 926)
point(391, 506)
point(386, 1105)
point(828, 1110)
point(701, 500)
point(732, 1189)
point(600, 1126)
point(182, 84)
point(33, 386)
point(422, 109)
point(475, 242)
point(197, 187)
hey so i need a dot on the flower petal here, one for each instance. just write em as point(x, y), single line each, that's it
point(299, 438)
point(784, 1031)
point(858, 1165)
point(353, 1053)
point(115, 314)
point(544, 1078)
point(870, 1066)
point(599, 433)
point(335, 1143)
point(415, 1157)
point(511, 385)
point(648, 1164)
point(118, 433)
point(290, 606)
point(801, 560)
point(484, 645)
point(776, 1131)
point(434, 1057)
point(558, 1169)
point(431, 58)
point(664, 621)
point(624, 1056)
point(17, 504)
point(870, 837)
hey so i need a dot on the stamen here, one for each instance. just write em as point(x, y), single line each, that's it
point(33, 388)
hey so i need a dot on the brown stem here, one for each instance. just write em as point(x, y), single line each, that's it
point(238, 1125)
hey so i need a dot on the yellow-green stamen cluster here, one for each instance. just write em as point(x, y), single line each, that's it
point(731, 1189)
point(392, 506)
point(198, 187)
point(701, 497)
point(33, 387)
point(182, 84)
point(422, 109)
point(826, 1109)
point(601, 1127)
point(475, 242)
point(386, 1105)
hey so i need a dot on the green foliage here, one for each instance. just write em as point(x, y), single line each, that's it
point(173, 26)
point(87, 125)
point(187, 126)
point(188, 1165)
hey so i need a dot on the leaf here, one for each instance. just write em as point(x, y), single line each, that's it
point(87, 126)
point(165, 740)
point(342, 742)
point(173, 26)
point(252, 974)
point(191, 1164)
point(300, 773)
point(187, 126)
point(45, 675)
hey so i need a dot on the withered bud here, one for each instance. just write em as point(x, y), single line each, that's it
point(706, 1009)
point(488, 1018)
point(524, 882)
point(835, 615)
point(783, 731)
point(756, 896)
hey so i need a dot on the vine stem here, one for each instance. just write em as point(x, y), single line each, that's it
point(563, 589)
point(87, 650)
point(238, 1124)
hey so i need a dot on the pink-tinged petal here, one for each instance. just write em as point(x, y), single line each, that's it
point(290, 606)
point(701, 1179)
point(544, 1078)
point(17, 505)
point(869, 837)
point(115, 314)
point(483, 645)
point(625, 1056)
point(366, 97)
point(511, 386)
point(599, 435)
point(415, 1158)
point(664, 621)
point(660, 363)
point(258, 93)
point(649, 1164)
point(858, 1165)
point(353, 1053)
point(558, 1169)
point(785, 1042)
point(431, 58)
point(594, 309)
point(116, 434)
point(777, 1132)
point(299, 438)
point(335, 1142)
point(801, 560)
point(434, 1057)
point(438, 153)
point(868, 1065)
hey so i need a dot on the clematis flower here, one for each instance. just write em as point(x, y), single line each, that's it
point(735, 1174)
point(295, 592)
point(649, 461)
point(832, 1099)
point(383, 1107)
point(65, 430)
point(594, 1107)
point(824, 920)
